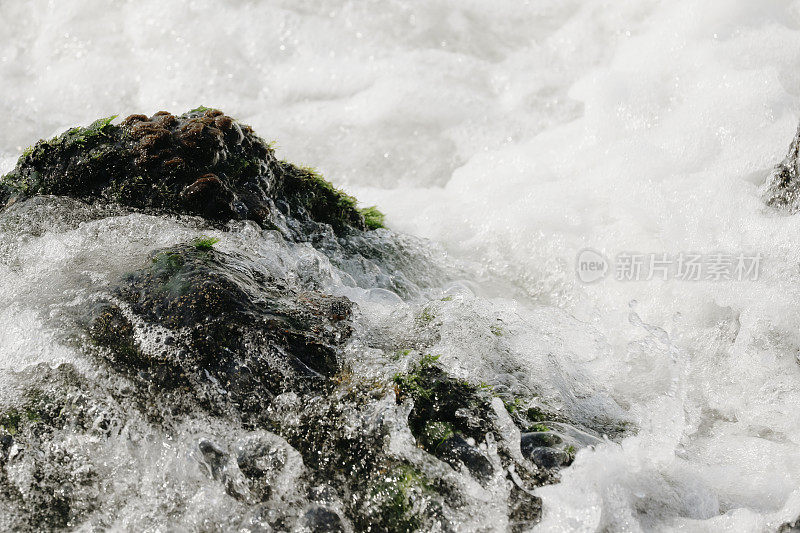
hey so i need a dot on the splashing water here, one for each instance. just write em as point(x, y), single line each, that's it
point(514, 135)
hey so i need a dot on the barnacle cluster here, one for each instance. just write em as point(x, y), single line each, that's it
point(202, 162)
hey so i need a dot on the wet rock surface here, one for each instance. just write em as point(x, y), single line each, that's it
point(782, 189)
point(246, 365)
point(223, 321)
point(790, 527)
point(202, 163)
point(46, 484)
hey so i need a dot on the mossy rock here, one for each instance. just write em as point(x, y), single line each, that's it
point(202, 315)
point(202, 162)
point(381, 492)
point(43, 406)
point(450, 417)
point(402, 499)
point(443, 406)
point(446, 414)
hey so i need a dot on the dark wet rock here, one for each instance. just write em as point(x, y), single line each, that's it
point(201, 163)
point(269, 463)
point(218, 319)
point(790, 527)
point(554, 444)
point(455, 450)
point(547, 457)
point(336, 433)
point(219, 465)
point(547, 449)
point(320, 520)
point(404, 499)
point(524, 509)
point(782, 189)
point(45, 485)
point(539, 439)
point(344, 439)
point(213, 459)
point(112, 329)
point(450, 417)
point(315, 426)
point(443, 406)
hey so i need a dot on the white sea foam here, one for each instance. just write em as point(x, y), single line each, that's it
point(515, 134)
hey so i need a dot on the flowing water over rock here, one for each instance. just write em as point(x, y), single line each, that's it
point(280, 373)
point(466, 383)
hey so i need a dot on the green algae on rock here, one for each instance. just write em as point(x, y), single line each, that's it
point(373, 218)
point(200, 163)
